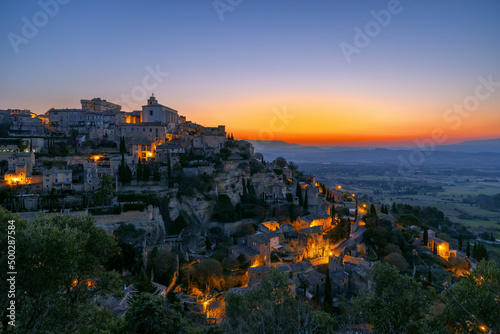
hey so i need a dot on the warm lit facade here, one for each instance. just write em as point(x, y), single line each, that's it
point(17, 176)
point(442, 247)
point(144, 149)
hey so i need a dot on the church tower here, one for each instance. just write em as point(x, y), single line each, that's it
point(152, 100)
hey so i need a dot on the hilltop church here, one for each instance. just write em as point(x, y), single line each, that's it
point(155, 112)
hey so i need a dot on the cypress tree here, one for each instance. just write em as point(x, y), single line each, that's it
point(435, 249)
point(373, 211)
point(429, 275)
point(142, 283)
point(460, 242)
point(298, 193)
point(306, 202)
point(123, 148)
point(328, 290)
point(169, 171)
point(394, 209)
point(468, 248)
point(146, 172)
point(139, 170)
point(245, 193)
point(426, 237)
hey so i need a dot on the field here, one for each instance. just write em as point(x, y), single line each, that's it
point(446, 189)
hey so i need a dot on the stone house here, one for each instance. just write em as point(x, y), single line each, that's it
point(262, 244)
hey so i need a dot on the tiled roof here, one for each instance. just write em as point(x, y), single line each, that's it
point(261, 238)
point(314, 229)
point(300, 266)
point(312, 277)
point(255, 270)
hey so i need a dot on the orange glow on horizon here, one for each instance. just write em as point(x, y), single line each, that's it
point(344, 120)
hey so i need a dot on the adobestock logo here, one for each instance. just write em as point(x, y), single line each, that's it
point(221, 7)
point(139, 93)
point(30, 28)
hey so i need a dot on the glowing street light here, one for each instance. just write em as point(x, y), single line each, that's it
point(339, 187)
point(483, 328)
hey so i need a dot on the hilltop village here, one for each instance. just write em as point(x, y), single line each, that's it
point(199, 214)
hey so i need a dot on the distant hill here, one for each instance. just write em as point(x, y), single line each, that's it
point(469, 154)
point(474, 146)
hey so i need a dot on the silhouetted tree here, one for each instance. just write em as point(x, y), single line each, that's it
point(298, 193)
point(373, 211)
point(426, 237)
point(394, 209)
point(468, 248)
point(328, 290)
point(460, 242)
point(123, 148)
point(169, 171)
point(139, 170)
point(306, 202)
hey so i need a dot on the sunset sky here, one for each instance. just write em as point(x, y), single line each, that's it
point(265, 69)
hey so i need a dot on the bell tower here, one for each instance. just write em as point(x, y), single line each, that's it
point(152, 100)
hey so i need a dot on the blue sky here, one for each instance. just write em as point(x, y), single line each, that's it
point(263, 55)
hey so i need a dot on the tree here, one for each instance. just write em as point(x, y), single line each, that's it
point(479, 252)
point(143, 284)
point(426, 237)
point(468, 248)
point(396, 304)
point(61, 268)
point(328, 291)
point(396, 260)
point(434, 248)
point(103, 194)
point(281, 162)
point(73, 133)
point(124, 172)
point(156, 173)
point(293, 166)
point(409, 220)
point(139, 173)
point(340, 231)
point(146, 172)
point(148, 313)
point(270, 308)
point(475, 300)
point(123, 148)
point(373, 211)
point(298, 193)
point(170, 176)
point(394, 209)
point(460, 241)
point(306, 203)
